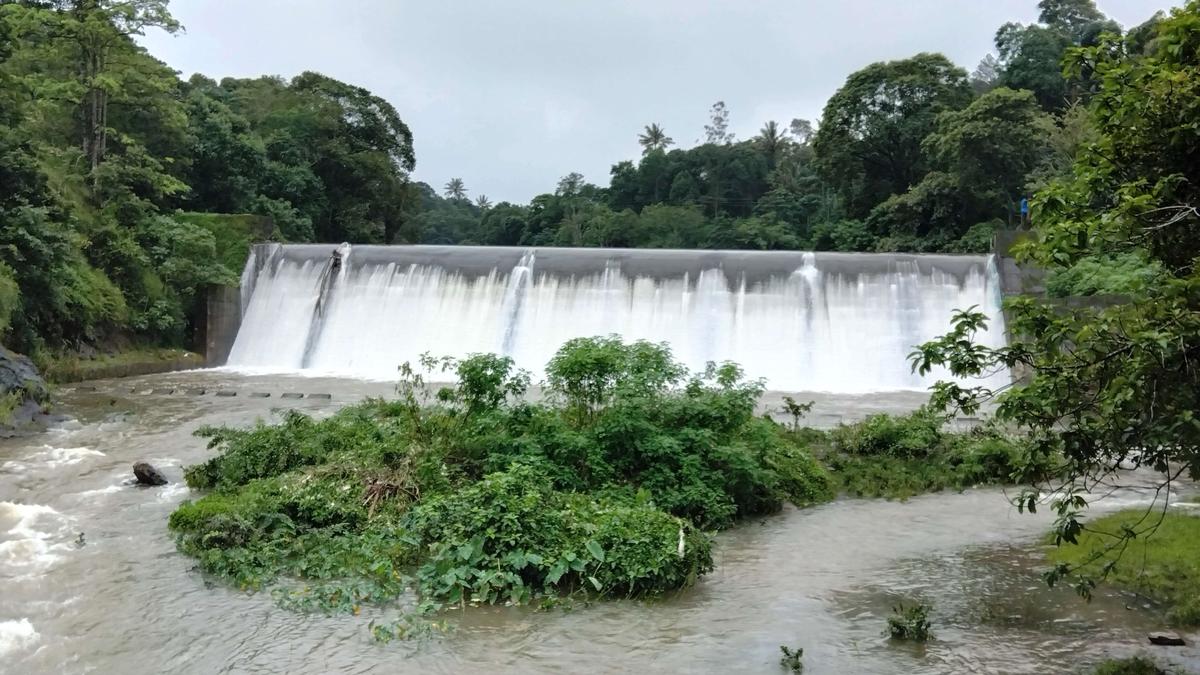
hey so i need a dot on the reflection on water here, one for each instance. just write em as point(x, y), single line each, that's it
point(123, 600)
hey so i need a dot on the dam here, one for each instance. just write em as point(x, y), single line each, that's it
point(801, 321)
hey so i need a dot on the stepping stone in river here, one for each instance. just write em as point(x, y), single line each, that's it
point(196, 392)
point(85, 388)
point(325, 397)
point(225, 393)
point(1166, 639)
point(291, 394)
point(162, 392)
point(260, 394)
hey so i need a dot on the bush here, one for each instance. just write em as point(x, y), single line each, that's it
point(901, 456)
point(483, 497)
point(1121, 274)
point(909, 623)
point(792, 659)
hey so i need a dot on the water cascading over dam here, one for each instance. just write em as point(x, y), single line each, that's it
point(836, 322)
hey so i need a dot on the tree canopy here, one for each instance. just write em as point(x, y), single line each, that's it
point(106, 155)
point(1113, 385)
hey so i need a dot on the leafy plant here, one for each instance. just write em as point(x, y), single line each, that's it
point(792, 659)
point(909, 623)
point(796, 410)
point(476, 496)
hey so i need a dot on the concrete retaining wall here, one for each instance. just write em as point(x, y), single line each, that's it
point(221, 327)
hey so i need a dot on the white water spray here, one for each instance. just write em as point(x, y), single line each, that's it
point(803, 321)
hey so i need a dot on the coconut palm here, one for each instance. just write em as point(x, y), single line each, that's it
point(483, 202)
point(455, 189)
point(771, 139)
point(654, 138)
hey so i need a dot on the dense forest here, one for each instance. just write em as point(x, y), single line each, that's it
point(117, 177)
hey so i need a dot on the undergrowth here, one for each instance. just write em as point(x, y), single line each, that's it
point(906, 455)
point(608, 487)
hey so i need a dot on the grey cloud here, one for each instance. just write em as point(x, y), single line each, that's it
point(512, 95)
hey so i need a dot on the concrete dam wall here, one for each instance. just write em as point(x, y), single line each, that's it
point(836, 322)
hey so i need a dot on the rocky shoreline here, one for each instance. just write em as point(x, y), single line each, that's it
point(23, 394)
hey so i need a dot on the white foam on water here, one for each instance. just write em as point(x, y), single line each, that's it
point(107, 490)
point(59, 457)
point(16, 635)
point(170, 491)
point(823, 326)
point(27, 538)
point(52, 457)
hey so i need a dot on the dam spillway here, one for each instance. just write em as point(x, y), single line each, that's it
point(833, 322)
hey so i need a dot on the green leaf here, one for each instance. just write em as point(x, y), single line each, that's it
point(595, 582)
point(595, 549)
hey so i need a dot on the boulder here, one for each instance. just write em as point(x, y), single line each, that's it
point(148, 475)
point(1166, 639)
point(22, 389)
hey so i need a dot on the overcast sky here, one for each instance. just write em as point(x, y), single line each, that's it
point(511, 95)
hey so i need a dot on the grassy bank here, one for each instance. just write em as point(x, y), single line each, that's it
point(606, 487)
point(1160, 565)
point(128, 362)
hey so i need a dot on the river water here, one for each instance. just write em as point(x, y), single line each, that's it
point(123, 600)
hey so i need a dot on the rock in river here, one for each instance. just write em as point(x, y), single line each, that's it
point(148, 475)
point(1166, 639)
point(23, 393)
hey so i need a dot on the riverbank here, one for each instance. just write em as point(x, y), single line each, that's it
point(1162, 564)
point(65, 369)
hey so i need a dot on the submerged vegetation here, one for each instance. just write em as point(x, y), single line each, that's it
point(910, 624)
point(608, 487)
point(1134, 665)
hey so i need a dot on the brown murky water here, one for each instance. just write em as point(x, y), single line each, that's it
point(822, 578)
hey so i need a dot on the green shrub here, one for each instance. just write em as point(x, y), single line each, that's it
point(478, 496)
point(1121, 274)
point(792, 659)
point(900, 456)
point(909, 623)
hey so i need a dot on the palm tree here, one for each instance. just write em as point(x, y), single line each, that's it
point(771, 140)
point(483, 202)
point(455, 189)
point(654, 138)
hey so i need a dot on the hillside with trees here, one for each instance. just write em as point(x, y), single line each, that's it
point(118, 176)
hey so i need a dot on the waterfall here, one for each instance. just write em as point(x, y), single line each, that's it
point(803, 321)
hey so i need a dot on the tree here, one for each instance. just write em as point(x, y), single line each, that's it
point(570, 185)
point(1032, 57)
point(869, 143)
point(801, 130)
point(654, 138)
point(1118, 385)
point(991, 146)
point(455, 189)
point(483, 203)
point(1072, 17)
point(772, 141)
point(717, 131)
point(94, 29)
point(986, 74)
